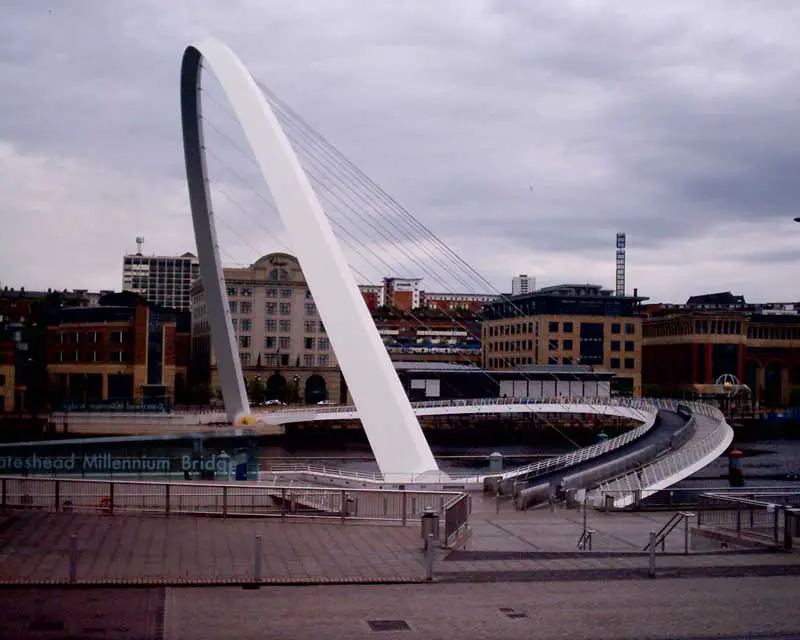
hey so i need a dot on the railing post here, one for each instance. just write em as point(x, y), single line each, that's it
point(404, 504)
point(4, 492)
point(257, 559)
point(73, 558)
point(652, 568)
point(166, 498)
point(283, 503)
point(776, 525)
point(685, 535)
point(429, 558)
point(57, 495)
point(344, 506)
point(111, 498)
point(738, 520)
point(225, 501)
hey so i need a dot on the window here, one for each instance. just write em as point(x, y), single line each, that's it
point(271, 325)
point(231, 291)
point(269, 342)
point(244, 357)
point(286, 308)
point(272, 292)
point(116, 337)
point(76, 337)
point(244, 342)
point(628, 345)
point(321, 327)
point(95, 356)
point(272, 308)
point(118, 356)
point(552, 345)
point(615, 345)
point(308, 295)
point(246, 292)
point(615, 363)
point(286, 326)
point(630, 329)
point(615, 327)
point(62, 338)
point(629, 364)
point(93, 337)
point(552, 327)
point(232, 304)
point(233, 323)
point(76, 356)
point(323, 360)
point(308, 360)
point(308, 343)
point(246, 308)
point(271, 359)
point(285, 343)
point(552, 360)
point(310, 326)
point(323, 344)
point(246, 324)
point(311, 308)
point(286, 293)
point(566, 360)
point(567, 327)
point(567, 345)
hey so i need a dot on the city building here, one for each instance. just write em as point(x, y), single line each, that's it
point(282, 341)
point(522, 285)
point(687, 348)
point(373, 295)
point(429, 334)
point(124, 351)
point(23, 319)
point(7, 377)
point(161, 280)
point(443, 381)
point(402, 293)
point(570, 324)
point(473, 302)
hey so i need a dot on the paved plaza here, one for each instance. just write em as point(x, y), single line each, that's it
point(509, 546)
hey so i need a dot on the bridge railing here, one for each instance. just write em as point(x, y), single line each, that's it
point(285, 500)
point(716, 436)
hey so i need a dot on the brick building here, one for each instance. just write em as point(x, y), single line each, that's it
point(567, 325)
point(122, 350)
point(688, 347)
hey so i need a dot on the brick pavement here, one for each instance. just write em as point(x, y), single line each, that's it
point(534, 545)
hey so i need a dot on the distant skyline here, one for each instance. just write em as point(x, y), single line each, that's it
point(525, 135)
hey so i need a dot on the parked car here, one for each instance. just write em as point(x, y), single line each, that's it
point(273, 403)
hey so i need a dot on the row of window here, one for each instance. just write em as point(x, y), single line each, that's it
point(554, 326)
point(721, 327)
point(89, 337)
point(502, 363)
point(284, 343)
point(271, 308)
point(94, 356)
point(282, 359)
point(271, 292)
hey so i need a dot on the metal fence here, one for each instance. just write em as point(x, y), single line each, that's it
point(711, 437)
point(229, 500)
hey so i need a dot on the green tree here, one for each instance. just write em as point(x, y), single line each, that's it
point(257, 390)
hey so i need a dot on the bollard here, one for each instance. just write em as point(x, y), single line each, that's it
point(686, 535)
point(652, 569)
point(497, 502)
point(429, 558)
point(73, 558)
point(257, 560)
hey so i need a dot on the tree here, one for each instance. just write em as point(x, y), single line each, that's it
point(257, 390)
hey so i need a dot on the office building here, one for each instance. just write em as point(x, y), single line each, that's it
point(687, 348)
point(124, 351)
point(570, 324)
point(522, 285)
point(161, 280)
point(280, 336)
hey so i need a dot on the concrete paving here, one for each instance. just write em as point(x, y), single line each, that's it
point(640, 610)
point(509, 546)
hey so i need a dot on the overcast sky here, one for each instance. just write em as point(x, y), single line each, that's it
point(525, 134)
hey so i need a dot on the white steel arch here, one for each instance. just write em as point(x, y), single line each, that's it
point(392, 428)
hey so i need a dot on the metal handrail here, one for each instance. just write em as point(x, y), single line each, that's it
point(661, 535)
